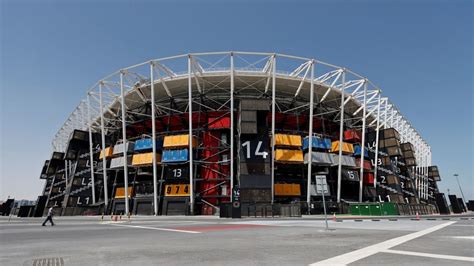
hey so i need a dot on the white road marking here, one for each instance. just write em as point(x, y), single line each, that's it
point(429, 255)
point(157, 228)
point(362, 253)
point(113, 222)
point(463, 224)
point(464, 237)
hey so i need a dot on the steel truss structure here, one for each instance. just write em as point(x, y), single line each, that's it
point(189, 83)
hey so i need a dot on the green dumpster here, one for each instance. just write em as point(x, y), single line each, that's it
point(389, 208)
point(375, 209)
point(355, 209)
point(364, 209)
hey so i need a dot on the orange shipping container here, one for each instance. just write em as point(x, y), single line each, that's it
point(120, 192)
point(108, 153)
point(347, 148)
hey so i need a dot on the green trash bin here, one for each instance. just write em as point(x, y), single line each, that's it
point(355, 209)
point(388, 208)
point(375, 209)
point(364, 209)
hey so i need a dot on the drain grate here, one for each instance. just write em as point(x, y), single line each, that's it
point(58, 261)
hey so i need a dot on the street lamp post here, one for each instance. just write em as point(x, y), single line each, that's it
point(462, 194)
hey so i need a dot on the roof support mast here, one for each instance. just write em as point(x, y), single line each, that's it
point(310, 137)
point(125, 145)
point(377, 133)
point(153, 137)
point(91, 152)
point(341, 129)
point(273, 125)
point(231, 125)
point(190, 128)
point(362, 145)
point(104, 159)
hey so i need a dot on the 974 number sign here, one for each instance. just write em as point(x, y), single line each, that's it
point(177, 190)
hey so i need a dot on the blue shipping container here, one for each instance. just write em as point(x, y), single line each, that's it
point(357, 151)
point(174, 156)
point(147, 144)
point(319, 143)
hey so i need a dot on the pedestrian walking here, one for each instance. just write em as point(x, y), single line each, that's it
point(50, 216)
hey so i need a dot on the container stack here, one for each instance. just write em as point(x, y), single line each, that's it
point(355, 137)
point(175, 160)
point(321, 159)
point(288, 177)
point(116, 167)
point(142, 161)
point(215, 154)
point(254, 152)
point(389, 179)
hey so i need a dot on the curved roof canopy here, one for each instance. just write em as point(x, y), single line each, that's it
point(209, 73)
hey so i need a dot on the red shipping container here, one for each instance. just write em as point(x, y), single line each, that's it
point(369, 178)
point(219, 122)
point(367, 164)
point(352, 135)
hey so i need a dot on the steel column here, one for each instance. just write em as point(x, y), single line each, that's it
point(125, 145)
point(273, 125)
point(153, 138)
point(362, 145)
point(190, 128)
point(91, 153)
point(341, 134)
point(377, 131)
point(231, 124)
point(310, 137)
point(104, 160)
point(66, 170)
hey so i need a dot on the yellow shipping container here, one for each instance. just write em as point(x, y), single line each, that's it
point(142, 159)
point(288, 140)
point(287, 190)
point(289, 156)
point(176, 141)
point(297, 189)
point(108, 153)
point(347, 148)
point(120, 192)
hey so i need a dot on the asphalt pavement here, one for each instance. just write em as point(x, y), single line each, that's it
point(209, 240)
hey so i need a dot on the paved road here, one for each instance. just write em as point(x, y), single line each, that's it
point(214, 241)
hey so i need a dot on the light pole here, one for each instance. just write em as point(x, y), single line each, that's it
point(462, 194)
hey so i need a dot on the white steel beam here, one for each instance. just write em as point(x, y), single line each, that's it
point(377, 132)
point(232, 74)
point(190, 128)
point(362, 145)
point(153, 139)
point(341, 134)
point(310, 138)
point(273, 126)
point(104, 159)
point(125, 144)
point(91, 152)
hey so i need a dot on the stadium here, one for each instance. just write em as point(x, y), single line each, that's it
point(238, 134)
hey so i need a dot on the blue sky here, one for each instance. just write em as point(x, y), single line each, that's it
point(419, 52)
